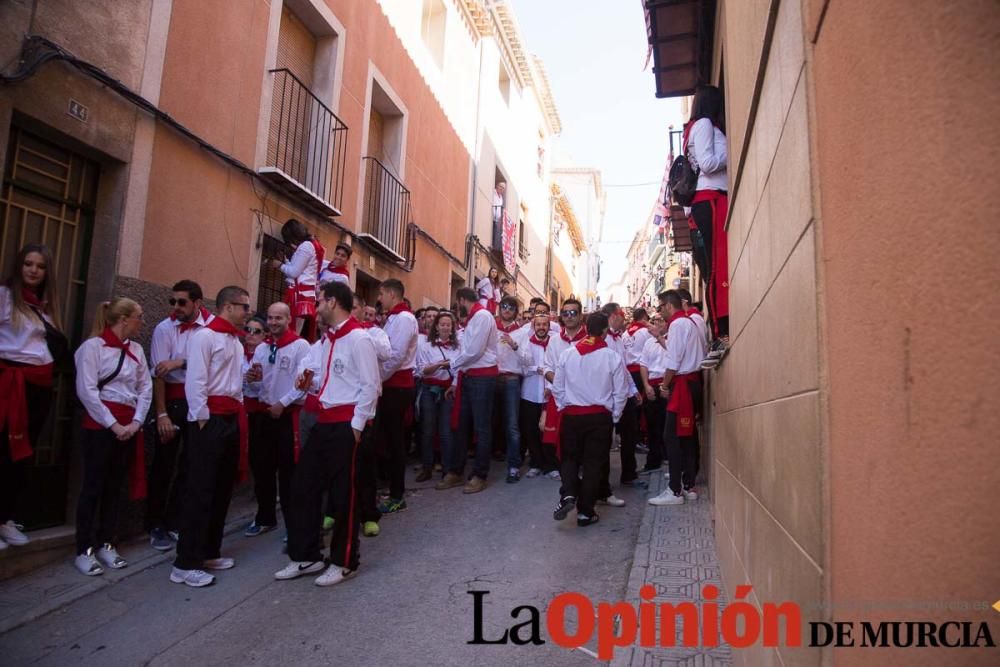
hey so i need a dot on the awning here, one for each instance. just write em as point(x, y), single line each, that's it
point(680, 35)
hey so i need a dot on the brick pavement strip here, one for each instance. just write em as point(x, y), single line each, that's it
point(675, 553)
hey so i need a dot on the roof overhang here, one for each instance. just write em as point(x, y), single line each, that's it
point(680, 35)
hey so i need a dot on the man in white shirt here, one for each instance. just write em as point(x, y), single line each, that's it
point(683, 377)
point(346, 371)
point(589, 410)
point(628, 425)
point(695, 314)
point(274, 368)
point(475, 371)
point(651, 368)
point(217, 436)
point(535, 392)
point(335, 270)
point(509, 383)
point(398, 388)
point(168, 356)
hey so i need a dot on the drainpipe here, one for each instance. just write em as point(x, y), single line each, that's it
point(474, 252)
point(548, 252)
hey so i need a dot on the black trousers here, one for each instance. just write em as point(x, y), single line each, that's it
point(105, 463)
point(543, 456)
point(655, 416)
point(367, 483)
point(329, 462)
point(702, 214)
point(586, 443)
point(12, 472)
point(683, 453)
point(166, 475)
point(272, 460)
point(212, 458)
point(628, 429)
point(391, 418)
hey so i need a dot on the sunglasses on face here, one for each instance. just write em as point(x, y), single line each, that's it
point(507, 306)
point(569, 313)
point(253, 331)
point(244, 306)
point(177, 302)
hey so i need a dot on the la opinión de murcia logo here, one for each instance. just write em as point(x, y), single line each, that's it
point(739, 624)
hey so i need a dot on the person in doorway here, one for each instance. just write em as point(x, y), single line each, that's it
point(345, 369)
point(168, 353)
point(301, 272)
point(115, 389)
point(217, 438)
point(30, 343)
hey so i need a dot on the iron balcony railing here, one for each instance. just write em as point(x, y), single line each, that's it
point(387, 209)
point(307, 143)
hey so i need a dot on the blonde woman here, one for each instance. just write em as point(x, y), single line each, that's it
point(114, 386)
point(29, 327)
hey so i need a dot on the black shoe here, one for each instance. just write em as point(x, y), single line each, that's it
point(584, 520)
point(565, 505)
point(513, 476)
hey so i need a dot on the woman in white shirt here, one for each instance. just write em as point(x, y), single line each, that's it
point(114, 386)
point(29, 323)
point(706, 148)
point(302, 275)
point(489, 291)
point(434, 356)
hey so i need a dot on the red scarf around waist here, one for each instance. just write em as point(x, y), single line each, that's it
point(553, 425)
point(174, 391)
point(125, 415)
point(681, 402)
point(227, 405)
point(14, 402)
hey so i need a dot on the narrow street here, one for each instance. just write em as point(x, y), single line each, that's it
point(407, 606)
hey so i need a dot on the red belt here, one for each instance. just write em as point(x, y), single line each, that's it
point(253, 405)
point(682, 402)
point(632, 368)
point(577, 410)
point(125, 415)
point(175, 391)
point(14, 402)
point(401, 380)
point(312, 404)
point(655, 382)
point(436, 382)
point(227, 405)
point(487, 371)
point(338, 414)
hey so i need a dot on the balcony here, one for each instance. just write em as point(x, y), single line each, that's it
point(307, 146)
point(386, 217)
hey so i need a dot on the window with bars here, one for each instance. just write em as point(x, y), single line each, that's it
point(271, 287)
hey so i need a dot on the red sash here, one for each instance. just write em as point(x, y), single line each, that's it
point(681, 402)
point(253, 405)
point(338, 414)
point(632, 368)
point(435, 382)
point(174, 391)
point(553, 425)
point(294, 411)
point(312, 404)
point(14, 403)
point(401, 380)
point(124, 415)
point(578, 410)
point(227, 405)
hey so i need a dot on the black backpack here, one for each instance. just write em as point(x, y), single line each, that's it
point(682, 180)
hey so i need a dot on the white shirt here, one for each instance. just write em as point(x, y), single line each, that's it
point(708, 153)
point(508, 359)
point(684, 353)
point(532, 356)
point(699, 322)
point(654, 358)
point(169, 343)
point(215, 368)
point(606, 384)
point(487, 291)
point(250, 389)
point(401, 328)
point(428, 354)
point(278, 383)
point(328, 275)
point(132, 386)
point(303, 268)
point(383, 348)
point(557, 345)
point(346, 373)
point(634, 344)
point(478, 345)
point(22, 341)
point(617, 343)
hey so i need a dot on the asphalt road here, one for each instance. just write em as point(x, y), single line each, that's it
point(408, 605)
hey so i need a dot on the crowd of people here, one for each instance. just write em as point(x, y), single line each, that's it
point(322, 395)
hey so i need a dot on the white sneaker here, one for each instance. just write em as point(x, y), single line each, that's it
point(296, 569)
point(109, 558)
point(192, 578)
point(12, 536)
point(87, 564)
point(533, 472)
point(612, 500)
point(690, 494)
point(667, 498)
point(219, 564)
point(555, 475)
point(334, 575)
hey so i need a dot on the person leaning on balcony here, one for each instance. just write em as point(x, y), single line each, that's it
point(705, 146)
point(114, 386)
point(335, 270)
point(30, 341)
point(499, 195)
point(302, 275)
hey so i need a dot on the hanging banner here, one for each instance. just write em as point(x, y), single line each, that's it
point(509, 251)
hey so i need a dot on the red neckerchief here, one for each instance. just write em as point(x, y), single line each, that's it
point(342, 270)
point(676, 316)
point(287, 338)
point(476, 307)
point(580, 335)
point(186, 326)
point(349, 325)
point(635, 326)
point(507, 328)
point(111, 340)
point(615, 334)
point(223, 326)
point(590, 344)
point(248, 354)
point(31, 298)
point(320, 251)
point(443, 343)
point(400, 307)
point(367, 325)
point(692, 311)
point(541, 343)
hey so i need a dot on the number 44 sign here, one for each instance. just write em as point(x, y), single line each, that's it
point(78, 111)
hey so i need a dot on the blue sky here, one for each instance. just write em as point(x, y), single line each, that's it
point(594, 51)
